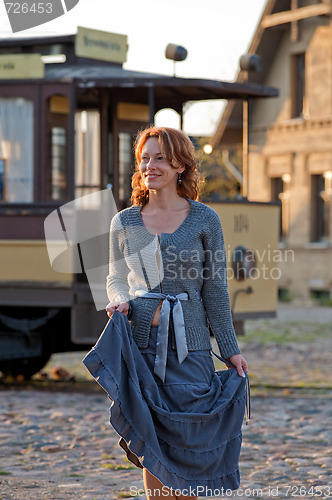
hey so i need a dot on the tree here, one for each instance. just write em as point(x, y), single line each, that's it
point(219, 182)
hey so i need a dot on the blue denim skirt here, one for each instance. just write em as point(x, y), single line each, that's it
point(186, 430)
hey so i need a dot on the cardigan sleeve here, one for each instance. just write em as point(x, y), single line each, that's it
point(215, 290)
point(117, 285)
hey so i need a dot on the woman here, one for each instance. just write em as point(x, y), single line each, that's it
point(168, 276)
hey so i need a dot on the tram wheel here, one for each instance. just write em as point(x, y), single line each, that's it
point(28, 366)
point(24, 367)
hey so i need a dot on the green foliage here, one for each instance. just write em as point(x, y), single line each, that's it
point(124, 494)
point(280, 333)
point(285, 295)
point(219, 182)
point(326, 302)
point(105, 456)
point(117, 467)
point(321, 298)
point(111, 464)
point(4, 473)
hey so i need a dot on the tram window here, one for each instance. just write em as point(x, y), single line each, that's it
point(16, 140)
point(125, 164)
point(58, 162)
point(2, 179)
point(87, 168)
point(57, 147)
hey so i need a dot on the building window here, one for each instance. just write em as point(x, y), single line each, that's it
point(16, 150)
point(321, 297)
point(280, 192)
point(87, 168)
point(298, 84)
point(320, 208)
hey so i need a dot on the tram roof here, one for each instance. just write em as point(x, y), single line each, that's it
point(169, 91)
point(115, 76)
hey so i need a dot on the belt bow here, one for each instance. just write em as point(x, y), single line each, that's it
point(163, 328)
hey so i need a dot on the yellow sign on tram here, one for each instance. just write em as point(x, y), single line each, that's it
point(18, 66)
point(101, 45)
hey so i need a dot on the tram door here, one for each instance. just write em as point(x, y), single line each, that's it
point(87, 180)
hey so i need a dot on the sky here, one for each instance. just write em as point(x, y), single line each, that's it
point(214, 32)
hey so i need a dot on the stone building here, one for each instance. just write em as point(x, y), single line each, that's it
point(290, 138)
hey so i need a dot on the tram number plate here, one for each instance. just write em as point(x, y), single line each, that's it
point(241, 223)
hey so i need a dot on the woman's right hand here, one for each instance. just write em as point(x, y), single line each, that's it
point(121, 307)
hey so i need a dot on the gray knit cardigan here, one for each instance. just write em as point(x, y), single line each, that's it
point(192, 259)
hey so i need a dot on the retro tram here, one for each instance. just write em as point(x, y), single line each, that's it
point(69, 112)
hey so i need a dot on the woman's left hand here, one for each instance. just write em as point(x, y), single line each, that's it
point(240, 364)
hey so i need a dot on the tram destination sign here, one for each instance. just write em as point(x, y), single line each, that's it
point(101, 45)
point(18, 66)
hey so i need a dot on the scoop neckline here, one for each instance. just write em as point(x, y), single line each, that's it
point(178, 229)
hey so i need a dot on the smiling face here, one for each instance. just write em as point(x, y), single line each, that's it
point(156, 172)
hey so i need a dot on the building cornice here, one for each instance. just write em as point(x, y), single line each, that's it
point(300, 124)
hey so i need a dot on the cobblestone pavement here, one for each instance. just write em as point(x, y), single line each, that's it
point(56, 441)
point(58, 445)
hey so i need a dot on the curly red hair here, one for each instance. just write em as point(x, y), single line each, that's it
point(178, 149)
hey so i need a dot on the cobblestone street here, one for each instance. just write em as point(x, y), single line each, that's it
point(56, 441)
point(60, 446)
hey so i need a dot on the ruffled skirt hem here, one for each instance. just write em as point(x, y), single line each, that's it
point(196, 453)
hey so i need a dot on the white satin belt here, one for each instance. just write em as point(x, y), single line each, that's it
point(163, 328)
